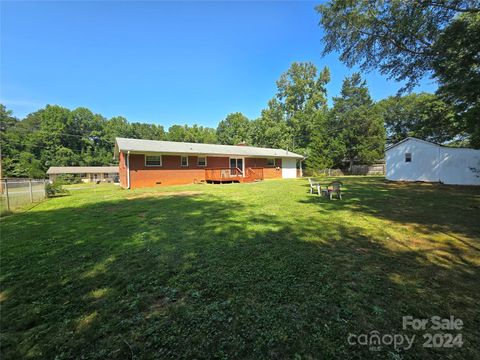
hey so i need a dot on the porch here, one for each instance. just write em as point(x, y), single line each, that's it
point(229, 175)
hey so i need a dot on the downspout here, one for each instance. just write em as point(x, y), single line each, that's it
point(128, 169)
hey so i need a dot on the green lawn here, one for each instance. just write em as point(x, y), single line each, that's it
point(239, 271)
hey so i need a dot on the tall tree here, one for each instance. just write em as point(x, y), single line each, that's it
point(234, 129)
point(194, 133)
point(424, 116)
point(396, 37)
point(302, 91)
point(457, 67)
point(147, 131)
point(271, 130)
point(409, 39)
point(356, 123)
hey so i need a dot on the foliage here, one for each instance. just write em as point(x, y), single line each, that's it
point(56, 136)
point(303, 94)
point(194, 133)
point(407, 40)
point(55, 188)
point(457, 68)
point(274, 272)
point(271, 129)
point(396, 37)
point(69, 179)
point(424, 116)
point(357, 127)
point(234, 129)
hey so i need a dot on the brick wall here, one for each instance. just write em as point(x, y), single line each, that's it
point(269, 172)
point(172, 173)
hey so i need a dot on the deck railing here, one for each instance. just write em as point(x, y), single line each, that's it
point(223, 174)
point(233, 174)
point(255, 173)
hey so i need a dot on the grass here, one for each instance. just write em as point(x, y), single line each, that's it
point(249, 271)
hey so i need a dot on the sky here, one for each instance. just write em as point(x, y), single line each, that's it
point(161, 62)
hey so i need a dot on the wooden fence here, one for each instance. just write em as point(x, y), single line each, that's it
point(375, 169)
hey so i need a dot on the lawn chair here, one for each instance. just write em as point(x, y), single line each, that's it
point(314, 186)
point(334, 188)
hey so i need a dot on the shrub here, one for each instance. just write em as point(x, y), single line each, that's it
point(55, 189)
point(69, 178)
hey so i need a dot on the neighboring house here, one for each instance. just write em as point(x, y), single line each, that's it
point(145, 163)
point(86, 173)
point(417, 160)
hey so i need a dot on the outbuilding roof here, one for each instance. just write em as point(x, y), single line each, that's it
point(411, 138)
point(82, 169)
point(173, 147)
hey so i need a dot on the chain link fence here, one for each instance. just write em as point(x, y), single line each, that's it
point(17, 193)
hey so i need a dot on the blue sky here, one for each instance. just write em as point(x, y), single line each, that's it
point(161, 62)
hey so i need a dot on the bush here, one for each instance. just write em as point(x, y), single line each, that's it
point(55, 189)
point(70, 179)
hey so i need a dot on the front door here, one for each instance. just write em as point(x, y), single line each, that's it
point(236, 163)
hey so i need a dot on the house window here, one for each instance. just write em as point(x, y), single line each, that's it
point(202, 161)
point(153, 160)
point(184, 160)
point(271, 162)
point(408, 157)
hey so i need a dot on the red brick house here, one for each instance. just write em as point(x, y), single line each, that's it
point(146, 163)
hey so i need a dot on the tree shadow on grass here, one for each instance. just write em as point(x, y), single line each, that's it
point(205, 277)
point(429, 207)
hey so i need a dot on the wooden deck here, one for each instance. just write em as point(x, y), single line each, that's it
point(230, 175)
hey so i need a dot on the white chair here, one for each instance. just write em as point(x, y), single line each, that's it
point(314, 186)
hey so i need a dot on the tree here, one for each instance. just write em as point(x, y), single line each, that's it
point(200, 134)
point(56, 136)
point(234, 129)
point(410, 39)
point(302, 93)
point(424, 116)
point(325, 149)
point(7, 120)
point(147, 131)
point(194, 133)
point(457, 68)
point(117, 126)
point(271, 130)
point(356, 124)
point(397, 37)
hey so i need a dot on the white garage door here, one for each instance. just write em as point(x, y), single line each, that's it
point(289, 168)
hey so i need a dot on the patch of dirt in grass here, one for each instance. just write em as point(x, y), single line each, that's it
point(362, 250)
point(161, 305)
point(3, 296)
point(167, 193)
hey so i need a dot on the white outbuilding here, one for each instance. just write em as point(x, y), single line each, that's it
point(417, 160)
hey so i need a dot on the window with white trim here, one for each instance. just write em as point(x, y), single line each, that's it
point(408, 157)
point(184, 161)
point(202, 161)
point(153, 160)
point(271, 162)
